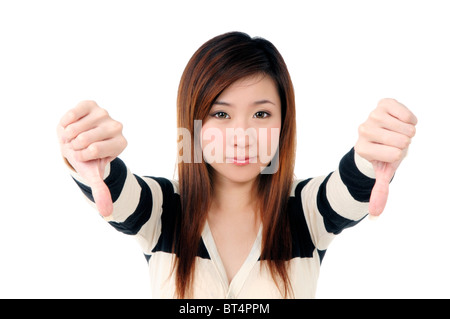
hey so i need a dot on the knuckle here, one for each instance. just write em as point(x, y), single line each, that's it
point(376, 118)
point(397, 155)
point(85, 106)
point(70, 132)
point(93, 151)
point(382, 102)
point(117, 126)
point(386, 103)
point(103, 113)
point(374, 115)
point(387, 100)
point(124, 142)
point(88, 103)
point(405, 142)
point(81, 141)
point(412, 131)
point(360, 129)
point(71, 115)
point(363, 130)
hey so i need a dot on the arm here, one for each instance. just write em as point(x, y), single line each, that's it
point(337, 201)
point(90, 142)
point(138, 204)
point(360, 185)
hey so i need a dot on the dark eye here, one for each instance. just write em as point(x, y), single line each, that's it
point(261, 115)
point(221, 115)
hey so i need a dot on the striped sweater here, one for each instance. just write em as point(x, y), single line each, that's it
point(319, 209)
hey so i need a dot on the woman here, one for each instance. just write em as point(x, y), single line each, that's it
point(236, 224)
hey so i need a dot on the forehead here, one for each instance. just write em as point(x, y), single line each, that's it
point(251, 88)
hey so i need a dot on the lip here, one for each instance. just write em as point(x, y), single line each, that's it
point(241, 161)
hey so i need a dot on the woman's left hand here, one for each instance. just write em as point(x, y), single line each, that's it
point(383, 140)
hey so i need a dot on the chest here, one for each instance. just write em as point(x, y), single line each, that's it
point(233, 244)
point(251, 280)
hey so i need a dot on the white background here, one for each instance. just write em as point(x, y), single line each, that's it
point(129, 55)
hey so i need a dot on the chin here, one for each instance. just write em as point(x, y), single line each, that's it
point(236, 173)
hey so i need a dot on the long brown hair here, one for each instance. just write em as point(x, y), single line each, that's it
point(214, 66)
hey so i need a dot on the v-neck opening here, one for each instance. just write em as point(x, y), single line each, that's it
point(233, 287)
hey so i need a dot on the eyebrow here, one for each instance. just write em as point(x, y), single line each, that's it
point(259, 102)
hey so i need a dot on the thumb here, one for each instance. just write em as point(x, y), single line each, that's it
point(378, 198)
point(93, 172)
point(102, 197)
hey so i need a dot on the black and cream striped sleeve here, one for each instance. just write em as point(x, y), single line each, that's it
point(137, 202)
point(337, 201)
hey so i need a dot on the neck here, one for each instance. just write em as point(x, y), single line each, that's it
point(233, 198)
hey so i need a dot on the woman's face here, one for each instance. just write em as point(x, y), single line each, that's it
point(241, 133)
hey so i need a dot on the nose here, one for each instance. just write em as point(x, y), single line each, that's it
point(242, 138)
point(240, 133)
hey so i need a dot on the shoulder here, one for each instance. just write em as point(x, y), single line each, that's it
point(298, 185)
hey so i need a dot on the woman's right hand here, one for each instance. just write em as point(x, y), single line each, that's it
point(90, 139)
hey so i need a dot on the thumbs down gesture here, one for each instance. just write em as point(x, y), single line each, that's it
point(383, 140)
point(90, 139)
